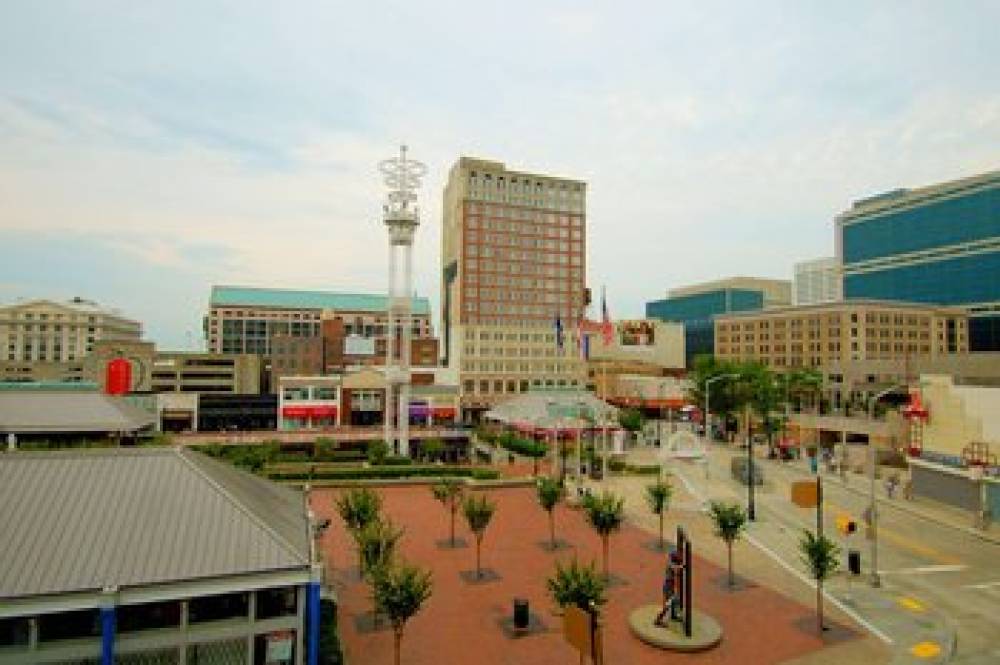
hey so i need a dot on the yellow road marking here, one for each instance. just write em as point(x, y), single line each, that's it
point(925, 649)
point(902, 541)
point(911, 604)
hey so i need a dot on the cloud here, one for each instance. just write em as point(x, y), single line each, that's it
point(216, 144)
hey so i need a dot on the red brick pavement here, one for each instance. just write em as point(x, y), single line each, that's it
point(461, 623)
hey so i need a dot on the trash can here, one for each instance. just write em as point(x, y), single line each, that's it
point(521, 614)
point(854, 562)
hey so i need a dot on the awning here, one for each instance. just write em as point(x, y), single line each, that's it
point(317, 411)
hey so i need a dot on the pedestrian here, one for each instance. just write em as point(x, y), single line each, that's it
point(891, 483)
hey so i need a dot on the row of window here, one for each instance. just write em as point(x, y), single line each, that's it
point(507, 309)
point(30, 316)
point(513, 386)
point(499, 232)
point(83, 624)
point(500, 213)
point(522, 368)
point(522, 352)
point(531, 256)
point(546, 270)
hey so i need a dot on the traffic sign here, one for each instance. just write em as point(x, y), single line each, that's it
point(805, 493)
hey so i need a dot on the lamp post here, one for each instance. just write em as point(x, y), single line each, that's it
point(872, 505)
point(708, 388)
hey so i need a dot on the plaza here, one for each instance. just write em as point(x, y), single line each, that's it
point(767, 619)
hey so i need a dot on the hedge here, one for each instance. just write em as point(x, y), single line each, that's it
point(390, 472)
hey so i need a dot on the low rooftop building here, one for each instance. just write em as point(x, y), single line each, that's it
point(150, 555)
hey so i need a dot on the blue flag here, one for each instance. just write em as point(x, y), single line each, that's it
point(559, 332)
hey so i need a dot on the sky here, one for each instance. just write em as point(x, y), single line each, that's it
point(150, 150)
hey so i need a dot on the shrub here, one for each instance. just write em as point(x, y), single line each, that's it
point(576, 585)
point(389, 472)
point(377, 451)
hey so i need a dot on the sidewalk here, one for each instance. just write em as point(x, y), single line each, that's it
point(932, 511)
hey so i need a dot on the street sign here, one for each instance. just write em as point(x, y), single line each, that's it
point(576, 628)
point(805, 493)
point(582, 632)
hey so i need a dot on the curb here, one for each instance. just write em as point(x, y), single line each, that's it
point(916, 512)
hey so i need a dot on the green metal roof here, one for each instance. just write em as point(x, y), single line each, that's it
point(47, 386)
point(235, 296)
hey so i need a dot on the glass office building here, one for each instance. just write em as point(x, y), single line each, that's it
point(697, 311)
point(938, 244)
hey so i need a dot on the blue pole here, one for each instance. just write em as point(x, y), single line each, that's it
point(108, 635)
point(312, 612)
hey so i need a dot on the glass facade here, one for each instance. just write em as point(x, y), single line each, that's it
point(974, 278)
point(961, 219)
point(697, 311)
point(957, 240)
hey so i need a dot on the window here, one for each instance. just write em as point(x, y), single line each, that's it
point(273, 603)
point(149, 615)
point(14, 632)
point(69, 625)
point(215, 608)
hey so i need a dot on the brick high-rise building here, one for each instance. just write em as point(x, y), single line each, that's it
point(513, 259)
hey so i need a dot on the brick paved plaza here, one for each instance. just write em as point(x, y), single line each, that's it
point(463, 622)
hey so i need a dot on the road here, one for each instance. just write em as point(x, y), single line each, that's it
point(939, 600)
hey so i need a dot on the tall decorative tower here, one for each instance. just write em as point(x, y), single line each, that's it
point(401, 216)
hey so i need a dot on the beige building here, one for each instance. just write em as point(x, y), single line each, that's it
point(777, 292)
point(855, 330)
point(960, 415)
point(513, 259)
point(817, 281)
point(46, 331)
point(150, 370)
point(643, 347)
point(246, 319)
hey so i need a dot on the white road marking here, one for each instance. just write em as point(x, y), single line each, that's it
point(798, 574)
point(836, 602)
point(987, 585)
point(923, 570)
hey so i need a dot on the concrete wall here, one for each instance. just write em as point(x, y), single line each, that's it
point(959, 415)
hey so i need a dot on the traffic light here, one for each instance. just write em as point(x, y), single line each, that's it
point(846, 525)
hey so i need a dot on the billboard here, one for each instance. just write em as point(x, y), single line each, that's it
point(356, 345)
point(636, 333)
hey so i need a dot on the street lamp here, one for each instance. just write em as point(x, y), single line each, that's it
point(708, 387)
point(872, 505)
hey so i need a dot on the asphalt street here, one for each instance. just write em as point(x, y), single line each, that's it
point(939, 599)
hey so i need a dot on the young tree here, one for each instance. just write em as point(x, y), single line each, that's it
point(549, 494)
point(377, 451)
point(358, 508)
point(400, 593)
point(605, 513)
point(449, 493)
point(377, 542)
point(577, 585)
point(730, 519)
point(658, 499)
point(432, 449)
point(820, 555)
point(478, 513)
point(630, 419)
